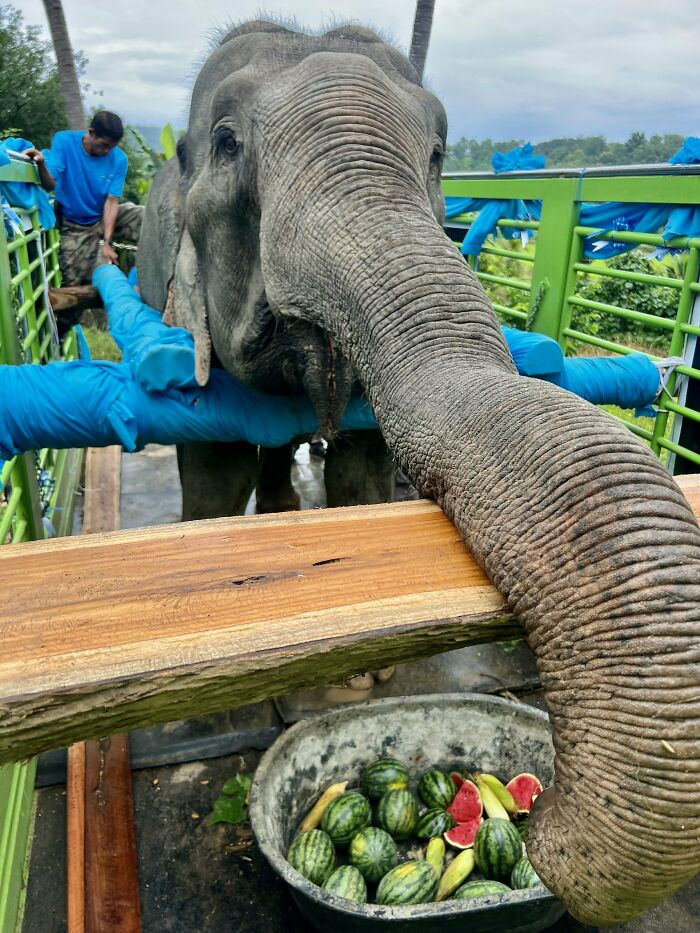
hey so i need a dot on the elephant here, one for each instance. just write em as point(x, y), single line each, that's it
point(298, 236)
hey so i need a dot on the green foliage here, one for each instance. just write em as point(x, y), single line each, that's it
point(143, 164)
point(102, 346)
point(232, 805)
point(475, 155)
point(168, 141)
point(31, 102)
point(636, 296)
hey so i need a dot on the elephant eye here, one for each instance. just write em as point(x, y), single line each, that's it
point(227, 143)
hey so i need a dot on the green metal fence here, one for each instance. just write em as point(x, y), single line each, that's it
point(38, 490)
point(544, 289)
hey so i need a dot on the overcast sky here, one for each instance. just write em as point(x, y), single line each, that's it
point(503, 68)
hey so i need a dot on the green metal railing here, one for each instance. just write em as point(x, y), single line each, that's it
point(38, 490)
point(551, 267)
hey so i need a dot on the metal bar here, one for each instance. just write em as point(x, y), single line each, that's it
point(638, 239)
point(511, 312)
point(502, 280)
point(508, 253)
point(681, 451)
point(628, 313)
point(597, 341)
point(643, 278)
point(682, 410)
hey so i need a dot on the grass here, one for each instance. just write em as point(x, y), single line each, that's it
point(102, 347)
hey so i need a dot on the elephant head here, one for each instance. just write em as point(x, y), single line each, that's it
point(308, 189)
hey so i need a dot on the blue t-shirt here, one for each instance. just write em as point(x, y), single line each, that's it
point(84, 181)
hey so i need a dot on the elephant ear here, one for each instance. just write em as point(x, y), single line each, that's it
point(187, 308)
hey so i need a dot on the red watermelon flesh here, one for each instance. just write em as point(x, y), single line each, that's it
point(466, 805)
point(462, 836)
point(457, 779)
point(524, 789)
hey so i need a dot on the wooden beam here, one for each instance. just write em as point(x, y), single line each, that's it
point(103, 886)
point(74, 298)
point(117, 631)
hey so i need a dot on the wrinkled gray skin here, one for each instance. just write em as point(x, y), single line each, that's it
point(311, 188)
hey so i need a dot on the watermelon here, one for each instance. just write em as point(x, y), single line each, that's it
point(463, 834)
point(409, 883)
point(524, 789)
point(433, 823)
point(373, 852)
point(313, 855)
point(456, 779)
point(524, 875)
point(497, 847)
point(384, 775)
point(480, 889)
point(397, 813)
point(347, 882)
point(345, 816)
point(436, 789)
point(466, 805)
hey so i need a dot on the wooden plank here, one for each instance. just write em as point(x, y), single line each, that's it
point(112, 902)
point(117, 631)
point(103, 892)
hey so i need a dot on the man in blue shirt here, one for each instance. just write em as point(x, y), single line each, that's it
point(87, 172)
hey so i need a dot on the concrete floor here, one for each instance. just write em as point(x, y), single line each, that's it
point(213, 878)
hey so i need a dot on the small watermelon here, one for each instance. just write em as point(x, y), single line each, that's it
point(384, 775)
point(497, 847)
point(463, 834)
point(436, 789)
point(345, 816)
point(480, 889)
point(433, 823)
point(397, 813)
point(466, 805)
point(409, 883)
point(524, 789)
point(347, 882)
point(313, 855)
point(524, 875)
point(373, 852)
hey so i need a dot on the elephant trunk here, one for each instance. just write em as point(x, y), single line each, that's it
point(573, 519)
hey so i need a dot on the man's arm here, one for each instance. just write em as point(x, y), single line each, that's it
point(109, 216)
point(47, 180)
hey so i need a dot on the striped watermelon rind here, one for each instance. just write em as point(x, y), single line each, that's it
point(384, 775)
point(347, 882)
point(397, 813)
point(433, 823)
point(373, 852)
point(524, 875)
point(480, 889)
point(436, 789)
point(409, 883)
point(345, 816)
point(497, 848)
point(312, 854)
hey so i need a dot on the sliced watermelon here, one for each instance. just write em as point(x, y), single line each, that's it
point(467, 803)
point(457, 779)
point(463, 835)
point(524, 789)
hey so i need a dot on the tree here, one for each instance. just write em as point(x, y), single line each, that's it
point(31, 103)
point(420, 39)
point(67, 71)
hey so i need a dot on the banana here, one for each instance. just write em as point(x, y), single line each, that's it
point(503, 795)
point(459, 868)
point(493, 806)
point(313, 817)
point(435, 854)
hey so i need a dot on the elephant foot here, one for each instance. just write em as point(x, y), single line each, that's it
point(288, 502)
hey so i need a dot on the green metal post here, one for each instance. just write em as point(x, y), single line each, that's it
point(549, 275)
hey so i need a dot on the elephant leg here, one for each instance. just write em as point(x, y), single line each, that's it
point(274, 492)
point(359, 470)
point(217, 479)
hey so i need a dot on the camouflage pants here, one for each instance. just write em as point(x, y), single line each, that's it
point(80, 245)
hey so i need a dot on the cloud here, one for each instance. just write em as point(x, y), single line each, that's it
point(535, 70)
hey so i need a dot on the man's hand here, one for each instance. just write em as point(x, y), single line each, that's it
point(36, 155)
point(109, 254)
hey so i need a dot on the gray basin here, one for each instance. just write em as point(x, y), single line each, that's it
point(466, 731)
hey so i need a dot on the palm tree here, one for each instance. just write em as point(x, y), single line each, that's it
point(420, 40)
point(67, 73)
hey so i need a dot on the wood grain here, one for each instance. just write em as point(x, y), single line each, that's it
point(103, 886)
point(108, 632)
